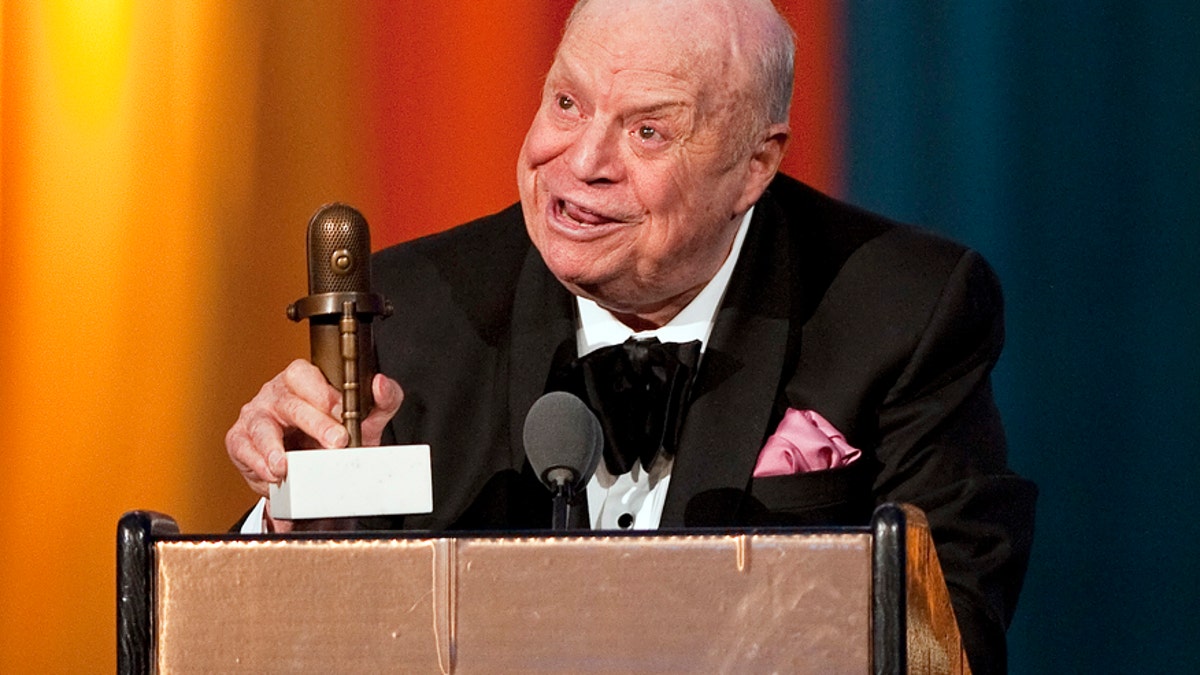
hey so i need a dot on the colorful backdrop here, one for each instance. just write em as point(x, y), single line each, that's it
point(159, 162)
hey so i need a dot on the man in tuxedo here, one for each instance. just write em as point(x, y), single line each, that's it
point(651, 212)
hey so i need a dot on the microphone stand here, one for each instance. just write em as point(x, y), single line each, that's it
point(563, 480)
point(560, 521)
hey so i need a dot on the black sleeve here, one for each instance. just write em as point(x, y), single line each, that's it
point(943, 449)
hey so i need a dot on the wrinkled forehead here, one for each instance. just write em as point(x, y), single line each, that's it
point(698, 42)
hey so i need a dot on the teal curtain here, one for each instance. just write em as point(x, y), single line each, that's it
point(1062, 139)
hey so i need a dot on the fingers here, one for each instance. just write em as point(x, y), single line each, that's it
point(251, 461)
point(298, 408)
point(388, 396)
point(294, 406)
point(301, 400)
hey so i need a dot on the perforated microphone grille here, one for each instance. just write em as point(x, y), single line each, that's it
point(562, 433)
point(339, 251)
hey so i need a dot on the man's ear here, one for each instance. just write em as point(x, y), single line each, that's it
point(764, 163)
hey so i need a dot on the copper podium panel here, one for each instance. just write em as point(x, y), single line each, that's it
point(686, 604)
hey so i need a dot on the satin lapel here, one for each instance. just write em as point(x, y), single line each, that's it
point(738, 381)
point(543, 322)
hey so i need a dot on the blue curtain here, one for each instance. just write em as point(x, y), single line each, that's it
point(1062, 139)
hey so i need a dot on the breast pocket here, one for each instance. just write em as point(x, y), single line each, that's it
point(839, 496)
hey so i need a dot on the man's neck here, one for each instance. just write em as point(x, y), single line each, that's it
point(651, 320)
point(602, 327)
point(659, 315)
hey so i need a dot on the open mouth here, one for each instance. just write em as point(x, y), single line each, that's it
point(579, 215)
point(580, 223)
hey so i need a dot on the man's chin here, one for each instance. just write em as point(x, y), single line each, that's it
point(577, 268)
point(578, 286)
point(591, 289)
point(619, 301)
point(575, 264)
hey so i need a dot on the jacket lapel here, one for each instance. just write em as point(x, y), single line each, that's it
point(738, 382)
point(543, 326)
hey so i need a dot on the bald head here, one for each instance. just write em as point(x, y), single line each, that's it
point(750, 33)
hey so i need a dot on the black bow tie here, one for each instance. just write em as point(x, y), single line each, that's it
point(639, 390)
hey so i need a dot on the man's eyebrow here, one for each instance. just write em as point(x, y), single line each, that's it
point(562, 72)
point(658, 107)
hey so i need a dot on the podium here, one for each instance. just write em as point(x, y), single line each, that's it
point(834, 600)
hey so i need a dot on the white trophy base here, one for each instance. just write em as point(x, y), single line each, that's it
point(349, 482)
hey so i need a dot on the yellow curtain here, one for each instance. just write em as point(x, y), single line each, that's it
point(158, 164)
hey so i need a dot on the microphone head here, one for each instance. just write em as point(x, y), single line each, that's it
point(339, 251)
point(563, 439)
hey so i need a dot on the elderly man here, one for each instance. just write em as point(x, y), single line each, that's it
point(651, 208)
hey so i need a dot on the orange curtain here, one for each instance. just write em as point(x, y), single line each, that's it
point(158, 164)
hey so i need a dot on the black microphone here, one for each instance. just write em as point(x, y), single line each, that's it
point(340, 306)
point(563, 441)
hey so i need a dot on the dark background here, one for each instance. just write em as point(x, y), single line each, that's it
point(1062, 140)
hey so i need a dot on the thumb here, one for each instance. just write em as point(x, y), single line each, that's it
point(388, 396)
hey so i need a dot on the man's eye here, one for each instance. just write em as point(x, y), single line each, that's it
point(565, 102)
point(646, 132)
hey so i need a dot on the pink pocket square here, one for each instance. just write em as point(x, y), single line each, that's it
point(804, 441)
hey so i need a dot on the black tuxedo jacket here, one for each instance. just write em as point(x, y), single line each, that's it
point(887, 331)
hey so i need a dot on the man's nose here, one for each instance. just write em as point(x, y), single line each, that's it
point(594, 153)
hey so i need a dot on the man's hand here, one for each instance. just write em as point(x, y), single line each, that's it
point(299, 409)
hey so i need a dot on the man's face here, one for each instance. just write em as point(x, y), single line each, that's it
point(635, 172)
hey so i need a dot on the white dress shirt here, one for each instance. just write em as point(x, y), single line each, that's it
point(633, 500)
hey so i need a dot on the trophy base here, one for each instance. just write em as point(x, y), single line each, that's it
point(351, 482)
